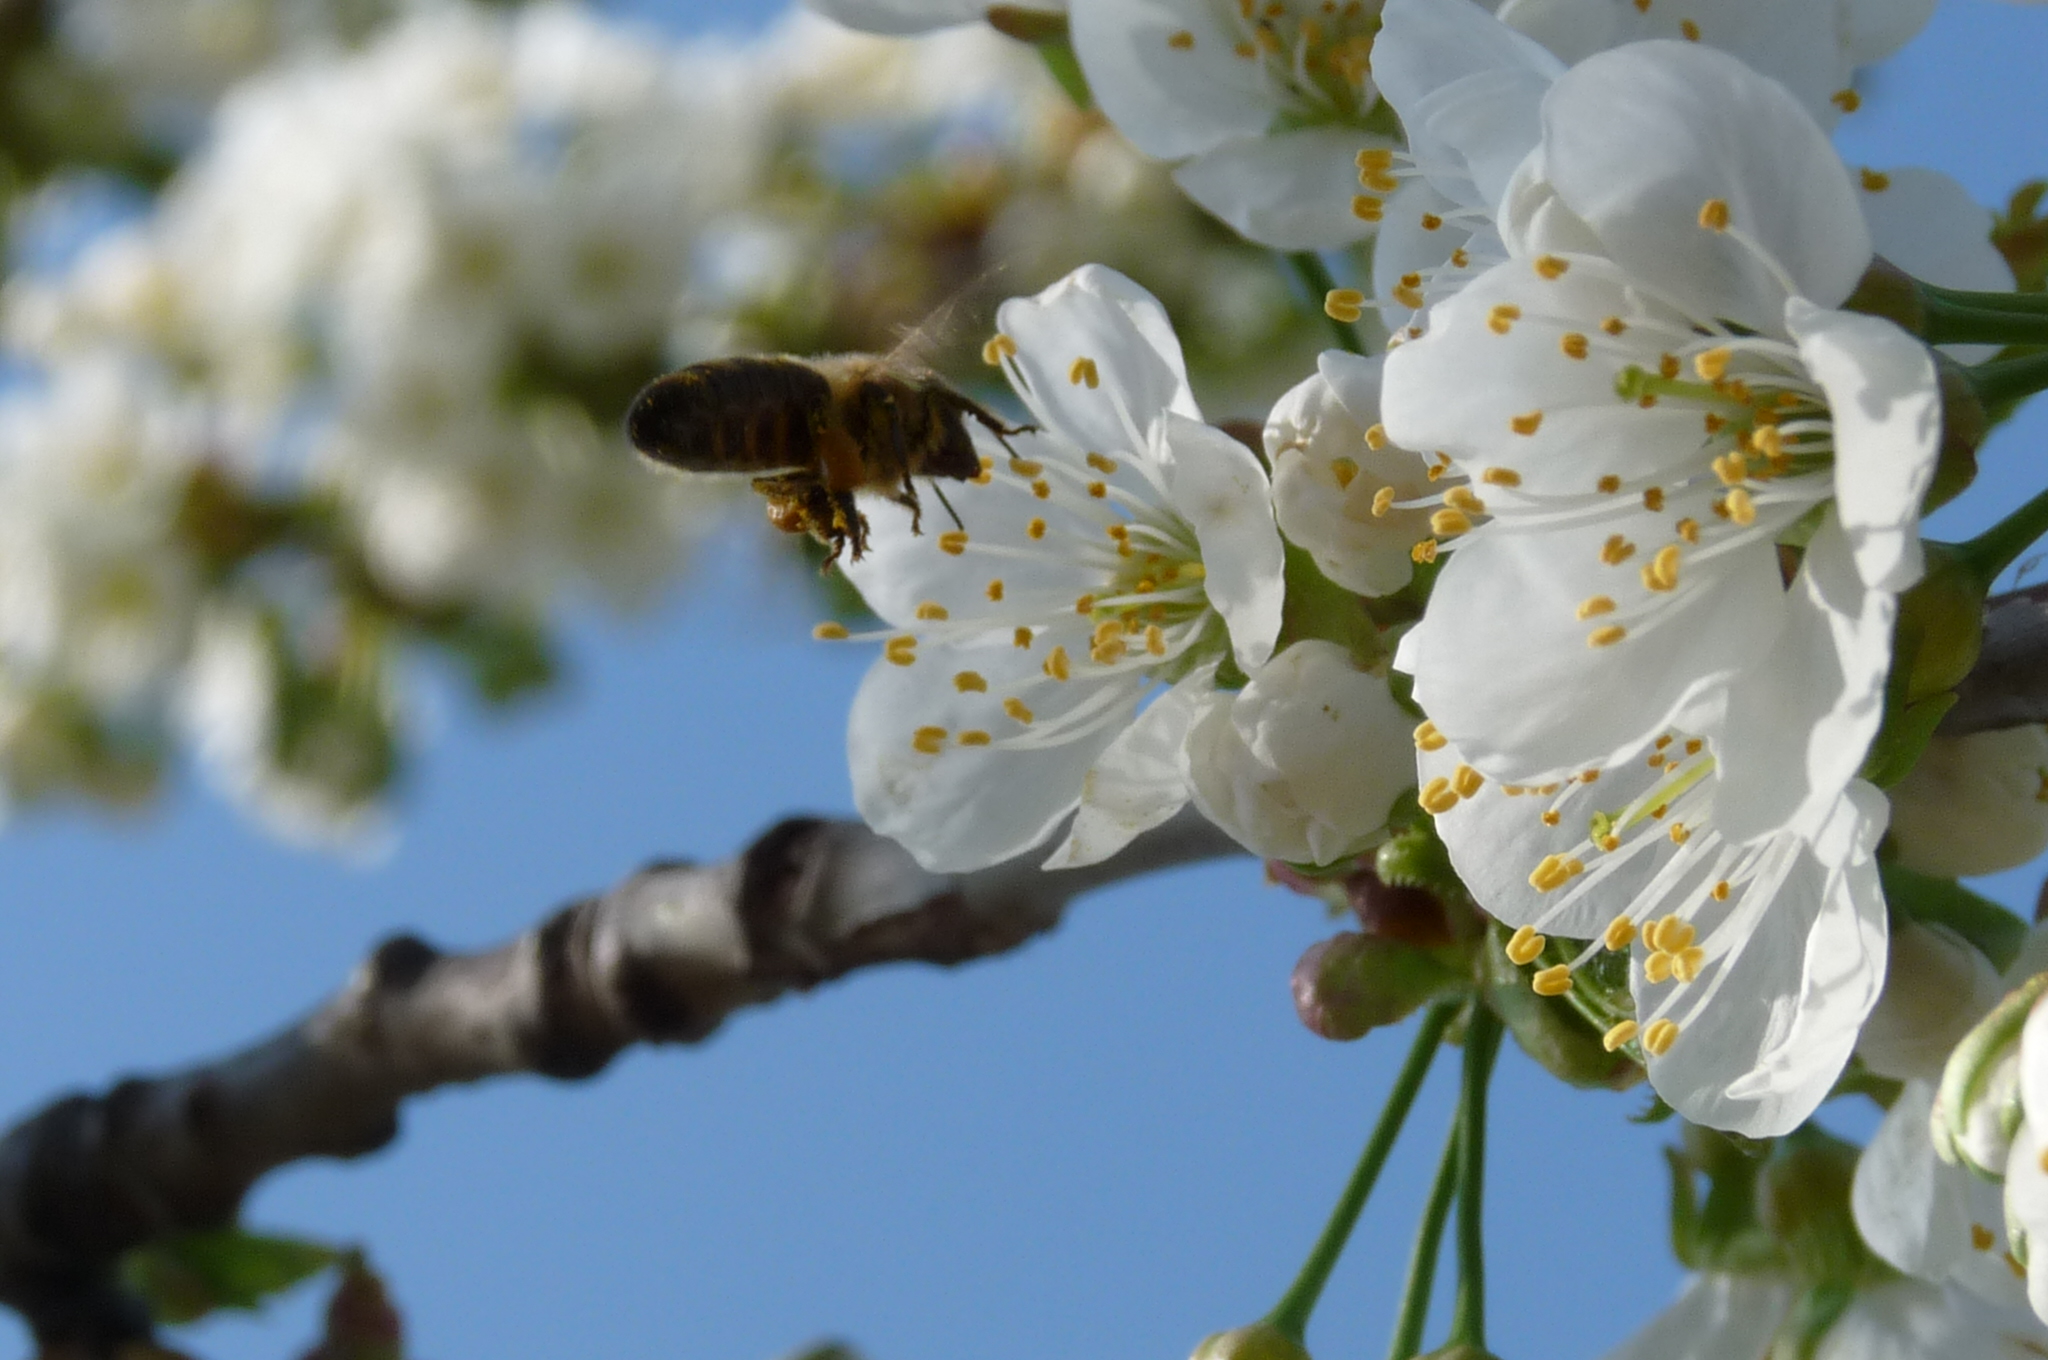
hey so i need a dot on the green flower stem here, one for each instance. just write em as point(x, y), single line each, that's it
point(2004, 381)
point(1949, 322)
point(1482, 1043)
point(1429, 1240)
point(2036, 303)
point(1291, 1314)
point(1315, 276)
point(2000, 546)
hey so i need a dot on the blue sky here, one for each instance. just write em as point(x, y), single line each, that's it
point(1108, 1144)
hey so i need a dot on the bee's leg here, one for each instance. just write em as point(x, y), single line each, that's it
point(940, 492)
point(995, 425)
point(849, 525)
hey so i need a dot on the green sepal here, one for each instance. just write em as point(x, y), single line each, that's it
point(1814, 1314)
point(1996, 933)
point(185, 1278)
point(1550, 1029)
point(1260, 1341)
point(1317, 607)
point(1353, 983)
point(1903, 738)
point(1971, 1066)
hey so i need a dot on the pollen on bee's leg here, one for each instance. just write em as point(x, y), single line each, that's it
point(1524, 946)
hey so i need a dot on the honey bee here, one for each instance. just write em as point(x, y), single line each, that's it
point(819, 430)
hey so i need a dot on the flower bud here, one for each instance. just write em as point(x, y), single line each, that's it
point(1350, 984)
point(1459, 1350)
point(1940, 627)
point(1936, 985)
point(1974, 804)
point(1964, 426)
point(1260, 1341)
point(1977, 1110)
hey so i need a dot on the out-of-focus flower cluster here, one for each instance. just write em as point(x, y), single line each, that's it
point(353, 381)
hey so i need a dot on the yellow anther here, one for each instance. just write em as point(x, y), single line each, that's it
point(1106, 630)
point(1657, 1040)
point(1606, 637)
point(1614, 325)
point(830, 632)
point(1042, 489)
point(1408, 294)
point(1690, 29)
point(1589, 776)
point(1430, 222)
point(1425, 551)
point(928, 740)
point(1550, 873)
point(1692, 746)
point(1553, 981)
point(1619, 1035)
point(1550, 817)
point(1657, 967)
point(1574, 345)
point(1526, 424)
point(994, 590)
point(1663, 741)
point(1500, 476)
point(931, 611)
point(1610, 842)
point(1098, 489)
point(1660, 573)
point(1155, 639)
point(1245, 50)
point(1194, 571)
point(1616, 550)
point(1375, 436)
point(1711, 363)
point(1712, 423)
point(1689, 529)
point(1437, 797)
point(1374, 158)
point(1686, 964)
point(998, 348)
point(1714, 214)
point(1653, 499)
point(1769, 441)
point(970, 682)
point(1467, 781)
point(1105, 466)
point(1731, 467)
point(1620, 933)
point(1595, 605)
point(1503, 317)
point(1084, 604)
point(1741, 508)
point(1056, 664)
point(1461, 498)
point(1180, 40)
point(1524, 945)
point(1344, 304)
point(1848, 101)
point(1460, 258)
point(1035, 529)
point(1981, 1237)
point(973, 737)
point(1427, 738)
point(1668, 366)
point(1027, 468)
point(1365, 208)
point(1608, 485)
point(1107, 653)
point(1083, 371)
point(1382, 501)
point(1017, 709)
point(953, 542)
point(1721, 890)
point(1449, 523)
point(1021, 638)
point(1552, 266)
point(900, 651)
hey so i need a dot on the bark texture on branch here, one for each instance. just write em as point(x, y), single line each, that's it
point(2008, 687)
point(662, 957)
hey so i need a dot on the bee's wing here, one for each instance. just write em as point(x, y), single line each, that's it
point(919, 344)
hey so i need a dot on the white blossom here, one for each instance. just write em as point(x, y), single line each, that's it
point(1974, 804)
point(1125, 545)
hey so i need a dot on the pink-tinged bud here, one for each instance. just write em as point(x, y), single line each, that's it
point(1351, 984)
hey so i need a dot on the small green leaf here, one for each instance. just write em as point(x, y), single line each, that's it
point(185, 1278)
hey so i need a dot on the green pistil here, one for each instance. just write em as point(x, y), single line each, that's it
point(1636, 382)
point(1663, 795)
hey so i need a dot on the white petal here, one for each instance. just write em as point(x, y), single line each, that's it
point(1718, 1317)
point(1639, 139)
point(1793, 991)
point(1323, 420)
point(1936, 987)
point(1571, 30)
point(1928, 225)
point(1463, 386)
point(1290, 190)
point(1137, 783)
point(1875, 29)
point(1886, 405)
point(971, 806)
point(1305, 762)
point(1170, 101)
point(1502, 663)
point(1219, 488)
point(1910, 1206)
point(2026, 1210)
point(2034, 1062)
point(1801, 717)
point(1097, 314)
point(1419, 234)
point(1913, 1320)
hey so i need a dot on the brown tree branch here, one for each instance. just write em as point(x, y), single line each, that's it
point(663, 957)
point(2008, 687)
